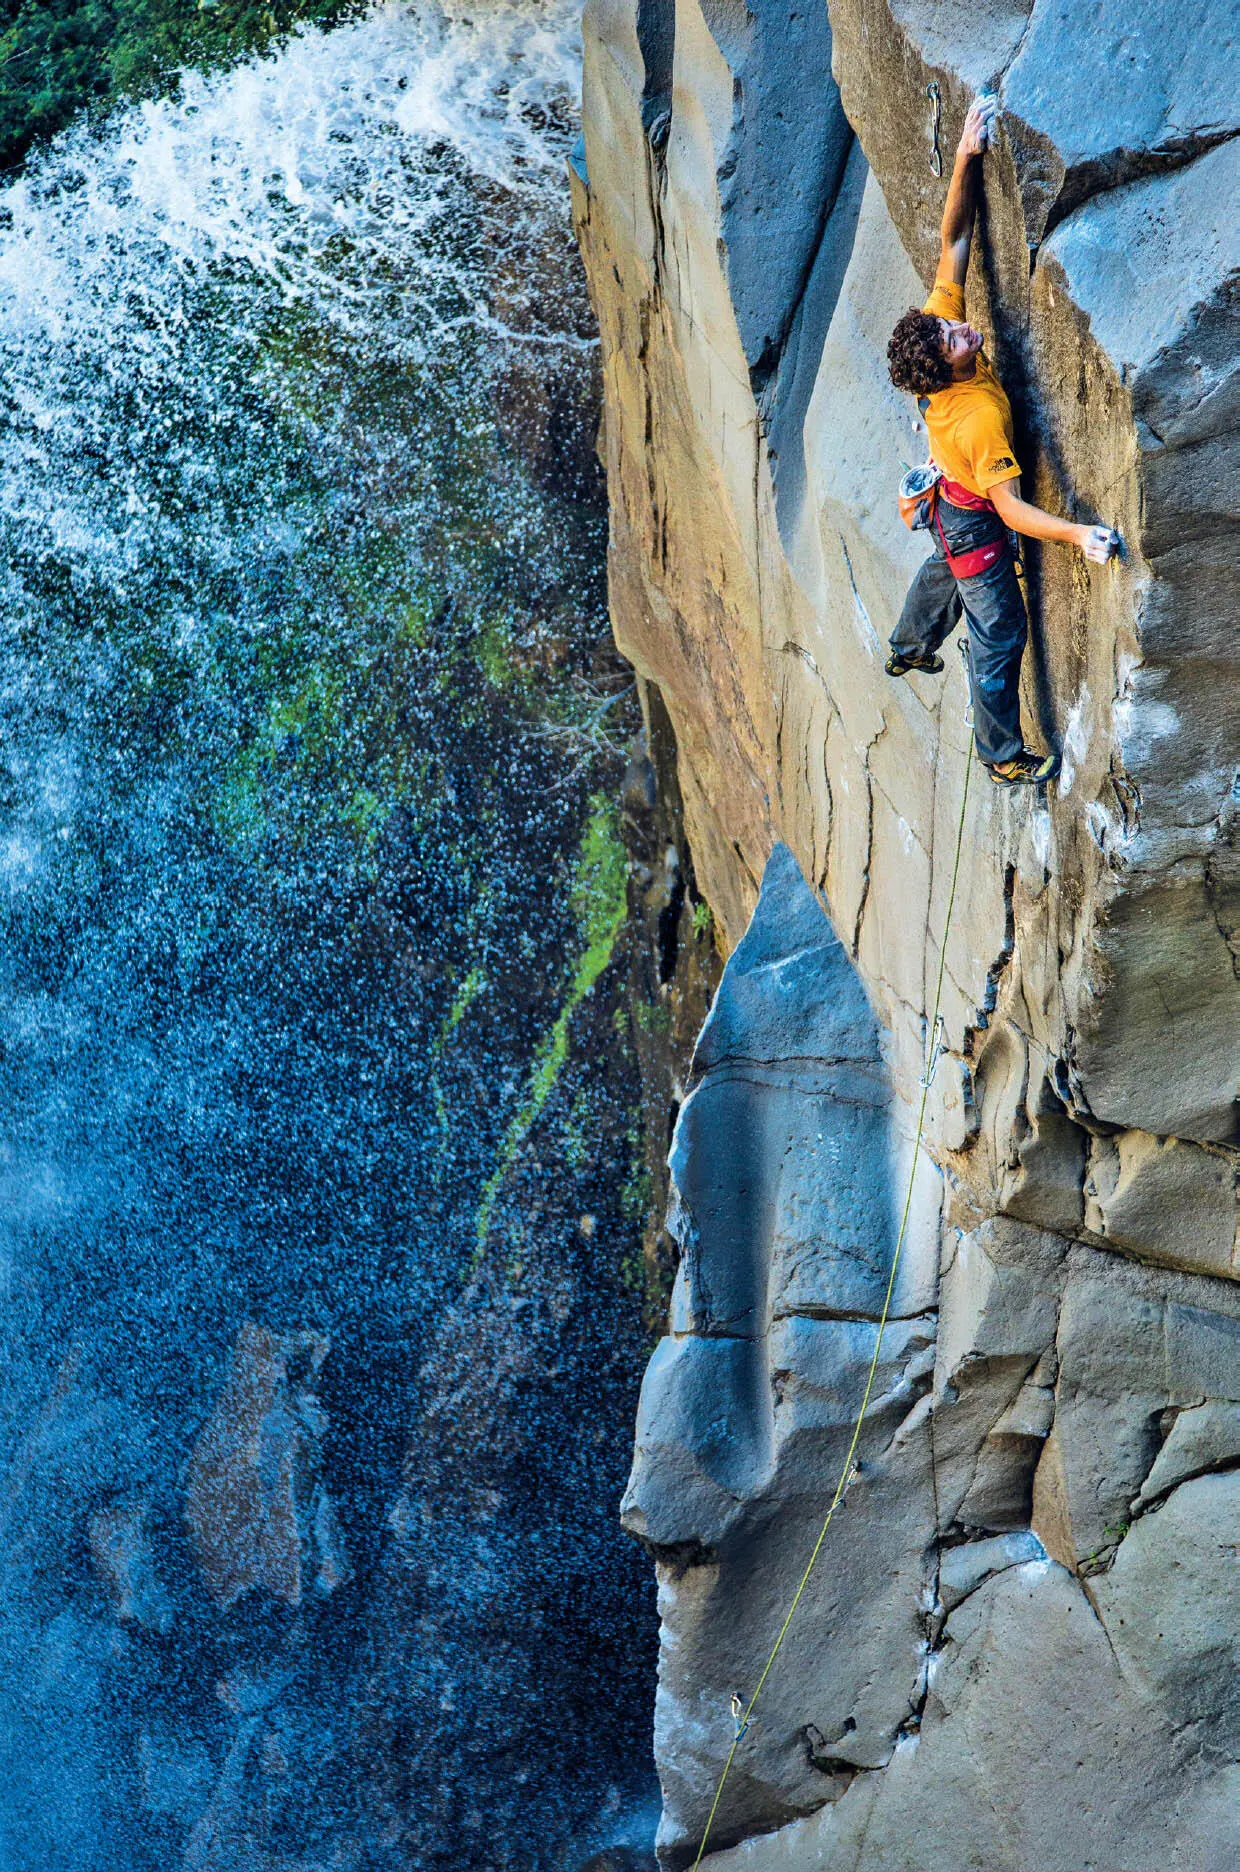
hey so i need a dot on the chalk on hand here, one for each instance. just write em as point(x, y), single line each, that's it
point(988, 103)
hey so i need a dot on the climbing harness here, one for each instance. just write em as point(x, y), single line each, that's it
point(936, 154)
point(741, 1715)
point(979, 558)
point(920, 491)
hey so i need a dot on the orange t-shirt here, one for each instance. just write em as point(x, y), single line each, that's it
point(970, 424)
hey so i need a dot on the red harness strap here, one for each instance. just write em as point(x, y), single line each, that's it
point(980, 558)
point(962, 497)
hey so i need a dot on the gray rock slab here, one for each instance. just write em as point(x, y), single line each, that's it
point(1202, 1437)
point(702, 1448)
point(1146, 89)
point(790, 990)
point(1037, 1748)
point(784, 1196)
point(848, 1675)
point(1132, 1344)
point(1150, 266)
point(962, 1569)
point(1170, 1603)
point(784, 1209)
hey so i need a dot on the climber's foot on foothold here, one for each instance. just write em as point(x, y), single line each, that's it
point(1027, 769)
point(926, 663)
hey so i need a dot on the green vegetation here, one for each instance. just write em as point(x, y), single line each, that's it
point(703, 921)
point(304, 767)
point(59, 57)
point(468, 992)
point(600, 905)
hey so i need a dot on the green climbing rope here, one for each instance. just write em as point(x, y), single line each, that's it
point(846, 1472)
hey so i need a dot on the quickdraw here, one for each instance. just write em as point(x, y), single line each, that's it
point(936, 154)
point(938, 1046)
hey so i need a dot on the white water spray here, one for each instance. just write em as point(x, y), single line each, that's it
point(351, 175)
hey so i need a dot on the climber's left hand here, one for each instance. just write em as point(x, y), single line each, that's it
point(979, 124)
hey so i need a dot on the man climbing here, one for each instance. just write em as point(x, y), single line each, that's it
point(937, 355)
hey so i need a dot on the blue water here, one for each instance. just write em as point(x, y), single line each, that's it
point(310, 739)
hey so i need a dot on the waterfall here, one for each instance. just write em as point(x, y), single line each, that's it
point(320, 1337)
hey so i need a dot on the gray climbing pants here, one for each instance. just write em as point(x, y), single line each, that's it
point(998, 627)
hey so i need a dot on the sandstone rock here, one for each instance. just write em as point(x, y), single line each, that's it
point(260, 1517)
point(1165, 1200)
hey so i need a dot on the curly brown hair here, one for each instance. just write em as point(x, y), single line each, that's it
point(915, 354)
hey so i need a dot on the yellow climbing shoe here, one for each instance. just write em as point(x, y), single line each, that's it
point(900, 662)
point(1026, 769)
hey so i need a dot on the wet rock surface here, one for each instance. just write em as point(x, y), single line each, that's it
point(260, 1516)
point(1036, 1563)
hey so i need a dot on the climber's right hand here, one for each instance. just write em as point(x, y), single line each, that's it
point(1098, 543)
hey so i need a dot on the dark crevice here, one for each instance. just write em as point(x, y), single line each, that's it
point(1221, 1465)
point(668, 932)
point(999, 967)
point(847, 1316)
point(656, 39)
point(679, 1557)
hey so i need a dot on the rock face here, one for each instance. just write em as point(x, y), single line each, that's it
point(259, 1515)
point(782, 1178)
point(1027, 1609)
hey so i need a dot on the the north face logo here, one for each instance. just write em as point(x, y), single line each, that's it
point(1004, 461)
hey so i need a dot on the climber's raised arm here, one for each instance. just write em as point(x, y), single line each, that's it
point(1096, 542)
point(957, 231)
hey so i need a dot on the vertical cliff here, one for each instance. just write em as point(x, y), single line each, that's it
point(1019, 1647)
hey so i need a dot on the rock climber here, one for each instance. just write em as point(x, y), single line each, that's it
point(937, 355)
